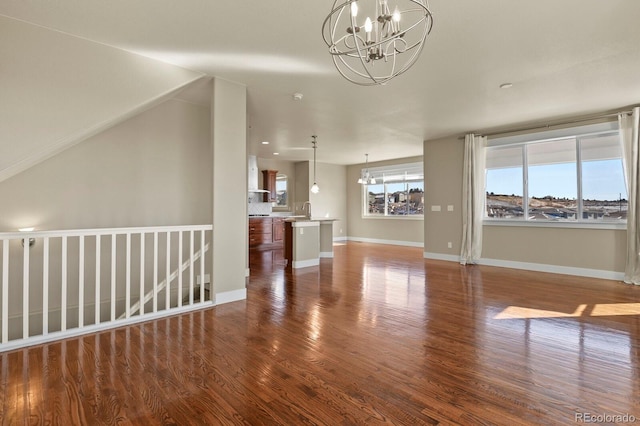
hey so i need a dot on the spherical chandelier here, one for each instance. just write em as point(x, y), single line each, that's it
point(373, 41)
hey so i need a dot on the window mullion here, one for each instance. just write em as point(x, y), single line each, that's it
point(525, 183)
point(580, 214)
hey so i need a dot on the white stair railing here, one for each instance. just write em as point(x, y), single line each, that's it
point(173, 275)
point(58, 284)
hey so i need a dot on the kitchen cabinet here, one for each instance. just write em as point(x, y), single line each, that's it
point(269, 184)
point(278, 230)
point(266, 232)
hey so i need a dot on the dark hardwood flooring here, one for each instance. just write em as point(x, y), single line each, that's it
point(377, 335)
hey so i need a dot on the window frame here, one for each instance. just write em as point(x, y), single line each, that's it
point(415, 169)
point(522, 141)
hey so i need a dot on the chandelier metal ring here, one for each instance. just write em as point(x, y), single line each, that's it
point(381, 48)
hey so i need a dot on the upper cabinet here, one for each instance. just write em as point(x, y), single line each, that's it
point(269, 185)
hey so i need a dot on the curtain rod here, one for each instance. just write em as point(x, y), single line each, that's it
point(553, 124)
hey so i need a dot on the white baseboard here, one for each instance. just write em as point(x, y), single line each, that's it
point(231, 296)
point(555, 269)
point(326, 254)
point(538, 267)
point(305, 263)
point(442, 256)
point(390, 242)
point(339, 239)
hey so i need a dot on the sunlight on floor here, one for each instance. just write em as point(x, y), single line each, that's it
point(598, 310)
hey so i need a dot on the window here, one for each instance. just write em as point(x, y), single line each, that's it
point(575, 177)
point(398, 191)
point(281, 190)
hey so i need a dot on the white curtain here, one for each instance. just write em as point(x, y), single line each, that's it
point(630, 147)
point(473, 198)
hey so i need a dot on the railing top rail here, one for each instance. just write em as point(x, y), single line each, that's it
point(102, 231)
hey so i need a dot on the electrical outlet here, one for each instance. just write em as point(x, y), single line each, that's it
point(449, 244)
point(301, 231)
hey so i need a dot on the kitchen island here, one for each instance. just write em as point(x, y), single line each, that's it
point(306, 240)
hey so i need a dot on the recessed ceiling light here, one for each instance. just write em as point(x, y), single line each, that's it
point(506, 85)
point(265, 143)
point(297, 96)
point(276, 153)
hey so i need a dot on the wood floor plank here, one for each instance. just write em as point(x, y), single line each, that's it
point(375, 336)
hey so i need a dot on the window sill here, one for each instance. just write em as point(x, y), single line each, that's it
point(554, 224)
point(412, 217)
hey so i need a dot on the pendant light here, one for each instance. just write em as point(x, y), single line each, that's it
point(365, 177)
point(314, 188)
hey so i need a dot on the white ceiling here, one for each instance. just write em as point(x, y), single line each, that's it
point(565, 58)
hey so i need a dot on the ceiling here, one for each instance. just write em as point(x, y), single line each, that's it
point(564, 59)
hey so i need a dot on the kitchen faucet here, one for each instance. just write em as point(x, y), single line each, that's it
point(306, 207)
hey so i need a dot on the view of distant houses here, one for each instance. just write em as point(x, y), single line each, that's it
point(398, 203)
point(551, 208)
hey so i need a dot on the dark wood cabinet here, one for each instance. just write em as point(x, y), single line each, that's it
point(266, 232)
point(269, 184)
point(278, 230)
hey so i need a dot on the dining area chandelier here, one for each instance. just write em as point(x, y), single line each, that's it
point(373, 41)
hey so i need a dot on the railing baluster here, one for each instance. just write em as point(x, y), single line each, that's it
point(201, 266)
point(155, 272)
point(128, 278)
point(142, 293)
point(81, 283)
point(179, 268)
point(97, 301)
point(191, 269)
point(45, 286)
point(63, 309)
point(113, 277)
point(167, 287)
point(5, 291)
point(25, 288)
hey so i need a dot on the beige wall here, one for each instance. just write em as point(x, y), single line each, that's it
point(331, 201)
point(302, 184)
point(597, 249)
point(388, 229)
point(442, 187)
point(230, 222)
point(84, 88)
point(151, 170)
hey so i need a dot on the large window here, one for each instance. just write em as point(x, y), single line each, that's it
point(398, 191)
point(569, 178)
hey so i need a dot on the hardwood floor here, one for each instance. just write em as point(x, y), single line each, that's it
point(377, 335)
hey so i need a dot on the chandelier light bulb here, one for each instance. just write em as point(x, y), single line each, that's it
point(368, 26)
point(354, 9)
point(396, 15)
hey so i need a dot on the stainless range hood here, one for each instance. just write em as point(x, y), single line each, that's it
point(252, 178)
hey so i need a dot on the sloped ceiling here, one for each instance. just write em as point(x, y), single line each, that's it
point(57, 90)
